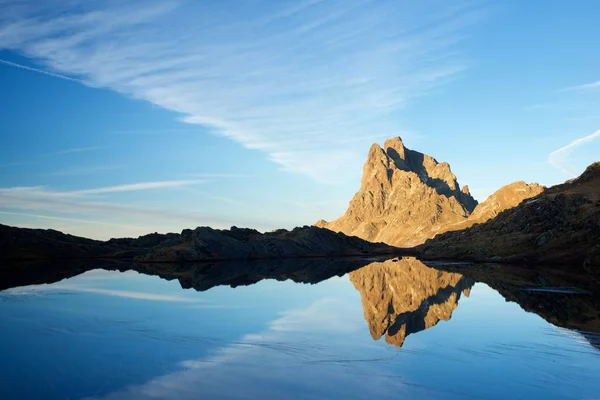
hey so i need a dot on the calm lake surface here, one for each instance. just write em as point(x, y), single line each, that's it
point(393, 329)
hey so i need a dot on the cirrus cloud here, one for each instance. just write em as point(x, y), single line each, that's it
point(560, 158)
point(294, 81)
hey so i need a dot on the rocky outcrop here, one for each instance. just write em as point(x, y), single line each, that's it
point(23, 243)
point(559, 225)
point(200, 244)
point(506, 197)
point(403, 296)
point(405, 197)
point(205, 243)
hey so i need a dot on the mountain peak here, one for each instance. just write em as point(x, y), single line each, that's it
point(592, 172)
point(401, 187)
point(396, 144)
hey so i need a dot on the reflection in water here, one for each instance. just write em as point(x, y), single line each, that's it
point(401, 297)
point(564, 296)
point(126, 336)
point(198, 276)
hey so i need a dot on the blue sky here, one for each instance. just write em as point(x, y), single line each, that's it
point(121, 119)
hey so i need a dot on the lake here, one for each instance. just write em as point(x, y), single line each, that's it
point(302, 329)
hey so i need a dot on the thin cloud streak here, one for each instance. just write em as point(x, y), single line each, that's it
point(40, 71)
point(40, 199)
point(560, 158)
point(218, 175)
point(134, 187)
point(78, 220)
point(71, 204)
point(76, 150)
point(272, 78)
point(584, 87)
point(107, 292)
point(277, 346)
point(85, 170)
point(153, 132)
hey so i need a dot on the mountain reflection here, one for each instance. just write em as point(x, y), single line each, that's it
point(401, 297)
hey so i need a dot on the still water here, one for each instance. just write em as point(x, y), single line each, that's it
point(385, 329)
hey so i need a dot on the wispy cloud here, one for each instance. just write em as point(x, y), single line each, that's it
point(67, 203)
point(130, 187)
point(586, 86)
point(293, 341)
point(76, 150)
point(295, 82)
point(560, 158)
point(154, 132)
point(315, 318)
point(86, 170)
point(79, 207)
point(77, 220)
point(39, 71)
point(108, 292)
point(133, 187)
point(218, 175)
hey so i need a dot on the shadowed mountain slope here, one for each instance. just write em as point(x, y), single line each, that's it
point(559, 225)
point(202, 243)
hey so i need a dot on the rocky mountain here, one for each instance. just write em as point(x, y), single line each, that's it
point(403, 296)
point(506, 197)
point(559, 225)
point(202, 243)
point(405, 197)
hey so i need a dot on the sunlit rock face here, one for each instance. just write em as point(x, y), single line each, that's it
point(401, 297)
point(405, 197)
point(505, 198)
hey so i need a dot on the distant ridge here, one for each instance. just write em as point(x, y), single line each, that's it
point(200, 244)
